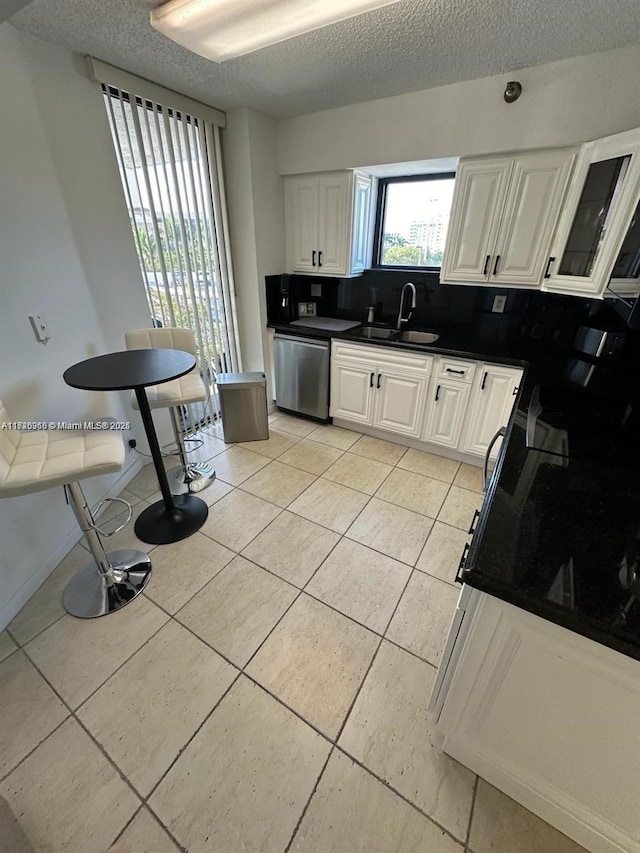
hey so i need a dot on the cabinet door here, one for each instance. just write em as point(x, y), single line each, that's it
point(596, 216)
point(543, 714)
point(478, 200)
point(361, 228)
point(399, 400)
point(536, 191)
point(334, 209)
point(490, 408)
point(301, 213)
point(625, 276)
point(447, 412)
point(352, 389)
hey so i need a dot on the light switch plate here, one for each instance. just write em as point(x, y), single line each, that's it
point(498, 304)
point(316, 288)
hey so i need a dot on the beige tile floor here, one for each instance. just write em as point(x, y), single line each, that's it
point(268, 691)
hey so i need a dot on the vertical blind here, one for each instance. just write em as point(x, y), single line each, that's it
point(170, 166)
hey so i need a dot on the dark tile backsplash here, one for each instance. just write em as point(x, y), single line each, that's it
point(528, 314)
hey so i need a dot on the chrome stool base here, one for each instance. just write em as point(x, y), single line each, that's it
point(194, 478)
point(88, 595)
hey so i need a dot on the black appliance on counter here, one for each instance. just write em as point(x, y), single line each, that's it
point(280, 302)
point(598, 343)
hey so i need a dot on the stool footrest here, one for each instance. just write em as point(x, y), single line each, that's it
point(98, 507)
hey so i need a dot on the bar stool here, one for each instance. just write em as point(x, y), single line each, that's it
point(189, 476)
point(40, 459)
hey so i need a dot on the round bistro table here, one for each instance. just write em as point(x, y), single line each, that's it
point(176, 516)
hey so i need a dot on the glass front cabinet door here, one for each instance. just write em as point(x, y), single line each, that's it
point(625, 276)
point(595, 237)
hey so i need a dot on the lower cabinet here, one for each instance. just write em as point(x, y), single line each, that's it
point(451, 402)
point(400, 405)
point(493, 396)
point(448, 408)
point(549, 717)
point(384, 389)
point(351, 385)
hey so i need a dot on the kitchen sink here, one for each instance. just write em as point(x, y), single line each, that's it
point(416, 337)
point(376, 332)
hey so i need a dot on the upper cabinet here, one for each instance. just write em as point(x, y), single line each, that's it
point(503, 217)
point(328, 222)
point(598, 235)
point(625, 276)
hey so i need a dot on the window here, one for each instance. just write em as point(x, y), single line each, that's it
point(412, 219)
point(168, 166)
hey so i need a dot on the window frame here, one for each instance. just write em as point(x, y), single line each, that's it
point(381, 201)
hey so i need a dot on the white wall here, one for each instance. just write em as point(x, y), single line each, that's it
point(66, 253)
point(562, 103)
point(256, 224)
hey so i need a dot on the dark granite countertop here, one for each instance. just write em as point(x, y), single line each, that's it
point(558, 536)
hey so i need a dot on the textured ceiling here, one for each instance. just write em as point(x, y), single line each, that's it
point(411, 45)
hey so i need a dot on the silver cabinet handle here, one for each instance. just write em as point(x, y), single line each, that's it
point(485, 468)
point(461, 564)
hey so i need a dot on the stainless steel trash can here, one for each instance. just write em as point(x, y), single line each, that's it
point(243, 401)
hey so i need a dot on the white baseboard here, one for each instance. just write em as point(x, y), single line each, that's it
point(409, 441)
point(35, 581)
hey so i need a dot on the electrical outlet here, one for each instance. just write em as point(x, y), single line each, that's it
point(498, 304)
point(40, 327)
point(316, 288)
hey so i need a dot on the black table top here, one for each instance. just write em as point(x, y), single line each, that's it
point(136, 368)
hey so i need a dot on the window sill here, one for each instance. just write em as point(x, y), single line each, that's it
point(397, 268)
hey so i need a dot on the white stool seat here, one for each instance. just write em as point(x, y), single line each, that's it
point(177, 392)
point(32, 461)
point(174, 395)
point(42, 459)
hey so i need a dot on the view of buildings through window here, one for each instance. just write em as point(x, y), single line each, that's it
point(415, 222)
point(166, 162)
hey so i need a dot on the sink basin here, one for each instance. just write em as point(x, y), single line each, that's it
point(416, 337)
point(376, 332)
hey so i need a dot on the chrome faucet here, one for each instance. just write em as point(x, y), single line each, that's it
point(406, 319)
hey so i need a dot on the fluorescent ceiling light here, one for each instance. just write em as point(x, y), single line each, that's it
point(223, 29)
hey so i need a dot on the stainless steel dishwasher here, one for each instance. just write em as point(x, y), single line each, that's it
point(302, 375)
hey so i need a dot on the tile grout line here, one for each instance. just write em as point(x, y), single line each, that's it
point(69, 715)
point(127, 824)
point(241, 670)
point(398, 793)
point(181, 751)
point(471, 811)
point(308, 803)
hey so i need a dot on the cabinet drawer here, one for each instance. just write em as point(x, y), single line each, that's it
point(451, 368)
point(383, 356)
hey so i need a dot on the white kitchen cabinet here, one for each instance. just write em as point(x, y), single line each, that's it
point(362, 222)
point(445, 401)
point(548, 717)
point(399, 407)
point(378, 387)
point(478, 199)
point(328, 223)
point(596, 216)
point(446, 415)
point(301, 210)
point(503, 217)
point(625, 275)
point(490, 408)
point(352, 383)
